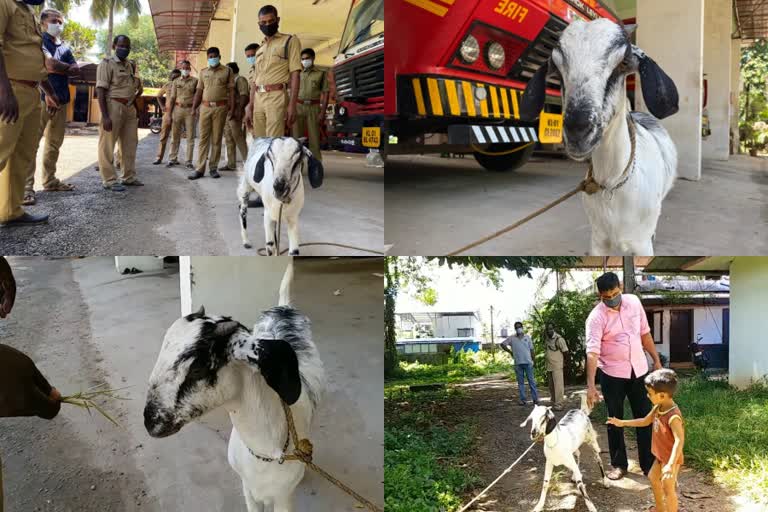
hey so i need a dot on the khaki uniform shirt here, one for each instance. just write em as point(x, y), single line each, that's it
point(252, 75)
point(241, 86)
point(216, 83)
point(555, 347)
point(313, 83)
point(183, 90)
point(165, 93)
point(275, 63)
point(21, 42)
point(118, 77)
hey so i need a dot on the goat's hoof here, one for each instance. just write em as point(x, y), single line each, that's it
point(606, 483)
point(294, 253)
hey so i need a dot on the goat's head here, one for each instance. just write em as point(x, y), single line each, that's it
point(542, 422)
point(285, 158)
point(592, 60)
point(198, 367)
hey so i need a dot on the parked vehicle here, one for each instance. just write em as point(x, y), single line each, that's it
point(699, 357)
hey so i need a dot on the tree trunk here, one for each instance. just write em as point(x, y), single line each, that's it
point(390, 296)
point(110, 28)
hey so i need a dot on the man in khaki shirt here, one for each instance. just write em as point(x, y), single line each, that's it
point(556, 348)
point(250, 58)
point(216, 93)
point(22, 71)
point(278, 63)
point(180, 110)
point(233, 130)
point(165, 128)
point(313, 100)
point(117, 88)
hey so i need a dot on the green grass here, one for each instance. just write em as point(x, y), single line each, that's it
point(462, 366)
point(425, 459)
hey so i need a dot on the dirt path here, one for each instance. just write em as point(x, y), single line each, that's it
point(493, 403)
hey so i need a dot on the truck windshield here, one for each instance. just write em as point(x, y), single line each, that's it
point(366, 20)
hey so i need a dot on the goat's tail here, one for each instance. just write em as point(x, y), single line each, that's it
point(285, 286)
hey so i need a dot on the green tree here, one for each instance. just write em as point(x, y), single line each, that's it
point(79, 37)
point(105, 10)
point(753, 103)
point(63, 5)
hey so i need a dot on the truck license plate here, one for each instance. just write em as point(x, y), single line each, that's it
point(372, 137)
point(551, 128)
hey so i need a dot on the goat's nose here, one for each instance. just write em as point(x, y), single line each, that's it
point(280, 186)
point(578, 123)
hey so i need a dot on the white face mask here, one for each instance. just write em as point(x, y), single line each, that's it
point(55, 29)
point(307, 63)
point(185, 73)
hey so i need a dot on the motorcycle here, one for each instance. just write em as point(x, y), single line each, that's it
point(699, 357)
point(156, 123)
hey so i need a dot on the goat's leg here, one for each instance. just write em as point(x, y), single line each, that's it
point(571, 464)
point(250, 503)
point(547, 475)
point(596, 448)
point(284, 504)
point(577, 456)
point(642, 247)
point(269, 232)
point(243, 193)
point(600, 244)
point(293, 235)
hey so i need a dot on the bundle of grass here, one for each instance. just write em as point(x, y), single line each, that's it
point(87, 399)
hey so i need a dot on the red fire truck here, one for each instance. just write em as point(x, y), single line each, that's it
point(454, 73)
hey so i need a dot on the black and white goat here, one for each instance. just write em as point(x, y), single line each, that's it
point(211, 361)
point(562, 441)
point(633, 158)
point(274, 169)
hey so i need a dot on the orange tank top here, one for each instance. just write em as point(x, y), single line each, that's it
point(663, 439)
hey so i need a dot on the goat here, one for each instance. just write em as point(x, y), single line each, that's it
point(280, 185)
point(211, 361)
point(561, 445)
point(632, 177)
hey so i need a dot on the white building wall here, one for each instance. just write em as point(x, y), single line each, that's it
point(749, 321)
point(708, 321)
point(447, 326)
point(717, 68)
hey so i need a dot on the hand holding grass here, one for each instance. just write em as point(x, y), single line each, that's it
point(86, 400)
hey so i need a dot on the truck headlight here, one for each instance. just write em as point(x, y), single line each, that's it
point(469, 50)
point(494, 55)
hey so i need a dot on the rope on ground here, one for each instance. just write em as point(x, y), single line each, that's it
point(303, 452)
point(465, 507)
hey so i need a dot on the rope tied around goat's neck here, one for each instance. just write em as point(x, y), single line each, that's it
point(590, 186)
point(302, 451)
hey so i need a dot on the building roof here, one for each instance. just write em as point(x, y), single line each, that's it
point(751, 19)
point(429, 316)
point(684, 285)
point(708, 265)
point(182, 24)
point(598, 262)
point(455, 339)
point(87, 74)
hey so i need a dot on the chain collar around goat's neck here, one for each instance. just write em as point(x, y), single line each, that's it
point(591, 186)
point(302, 447)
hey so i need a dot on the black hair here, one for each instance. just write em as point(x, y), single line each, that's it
point(252, 46)
point(234, 67)
point(185, 62)
point(607, 281)
point(662, 381)
point(308, 51)
point(119, 37)
point(518, 323)
point(268, 9)
point(213, 49)
point(177, 71)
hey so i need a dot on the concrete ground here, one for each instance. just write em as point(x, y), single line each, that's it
point(84, 324)
point(172, 215)
point(437, 205)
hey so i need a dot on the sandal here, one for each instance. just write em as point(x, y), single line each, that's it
point(60, 187)
point(29, 199)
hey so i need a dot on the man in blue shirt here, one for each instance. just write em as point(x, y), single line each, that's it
point(53, 120)
point(520, 347)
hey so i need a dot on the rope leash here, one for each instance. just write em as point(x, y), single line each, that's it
point(303, 452)
point(465, 507)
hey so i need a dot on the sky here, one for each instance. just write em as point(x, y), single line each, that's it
point(81, 14)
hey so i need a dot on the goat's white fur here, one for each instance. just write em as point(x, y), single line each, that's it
point(562, 444)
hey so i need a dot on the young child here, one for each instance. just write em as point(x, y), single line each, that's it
point(667, 439)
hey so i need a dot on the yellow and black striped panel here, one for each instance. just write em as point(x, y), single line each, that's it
point(435, 96)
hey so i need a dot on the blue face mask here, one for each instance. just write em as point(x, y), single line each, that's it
point(214, 61)
point(614, 302)
point(251, 60)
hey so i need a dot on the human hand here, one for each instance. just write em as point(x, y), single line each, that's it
point(50, 105)
point(615, 422)
point(9, 107)
point(106, 123)
point(593, 396)
point(7, 288)
point(291, 114)
point(249, 118)
point(666, 472)
point(23, 389)
point(657, 365)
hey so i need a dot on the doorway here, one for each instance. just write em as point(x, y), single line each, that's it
point(82, 102)
point(680, 332)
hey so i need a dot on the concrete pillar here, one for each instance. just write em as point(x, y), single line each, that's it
point(230, 285)
point(735, 91)
point(680, 53)
point(717, 68)
point(143, 263)
point(748, 360)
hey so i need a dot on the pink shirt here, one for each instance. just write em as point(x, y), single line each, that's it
point(615, 336)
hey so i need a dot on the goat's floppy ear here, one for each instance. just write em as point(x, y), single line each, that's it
point(314, 170)
point(226, 328)
point(551, 421)
point(258, 172)
point(535, 94)
point(277, 362)
point(529, 418)
point(659, 91)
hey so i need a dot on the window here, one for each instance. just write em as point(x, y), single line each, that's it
point(432, 348)
point(466, 333)
point(656, 323)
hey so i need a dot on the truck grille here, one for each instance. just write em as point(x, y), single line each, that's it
point(538, 53)
point(362, 77)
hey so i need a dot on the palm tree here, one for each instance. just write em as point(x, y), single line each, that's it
point(105, 10)
point(63, 5)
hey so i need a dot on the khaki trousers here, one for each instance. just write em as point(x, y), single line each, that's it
point(556, 386)
point(18, 148)
point(235, 139)
point(125, 130)
point(52, 128)
point(212, 120)
point(182, 116)
point(165, 132)
point(269, 109)
point(308, 120)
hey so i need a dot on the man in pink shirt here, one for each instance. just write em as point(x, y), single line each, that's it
point(618, 336)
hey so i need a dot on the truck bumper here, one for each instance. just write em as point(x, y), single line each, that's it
point(486, 134)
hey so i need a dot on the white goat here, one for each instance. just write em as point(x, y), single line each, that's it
point(274, 170)
point(211, 361)
point(562, 442)
point(592, 61)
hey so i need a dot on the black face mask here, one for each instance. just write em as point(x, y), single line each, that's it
point(269, 30)
point(33, 2)
point(122, 53)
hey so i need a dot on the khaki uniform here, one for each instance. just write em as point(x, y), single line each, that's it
point(165, 128)
point(21, 44)
point(118, 78)
point(313, 84)
point(556, 346)
point(215, 84)
point(182, 96)
point(233, 130)
point(276, 59)
point(52, 128)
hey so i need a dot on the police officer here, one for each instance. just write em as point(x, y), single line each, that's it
point(278, 63)
point(233, 130)
point(216, 93)
point(165, 128)
point(117, 88)
point(22, 70)
point(250, 58)
point(180, 110)
point(313, 100)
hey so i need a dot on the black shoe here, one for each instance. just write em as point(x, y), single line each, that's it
point(195, 176)
point(190, 166)
point(172, 163)
point(214, 173)
point(256, 203)
point(157, 162)
point(27, 219)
